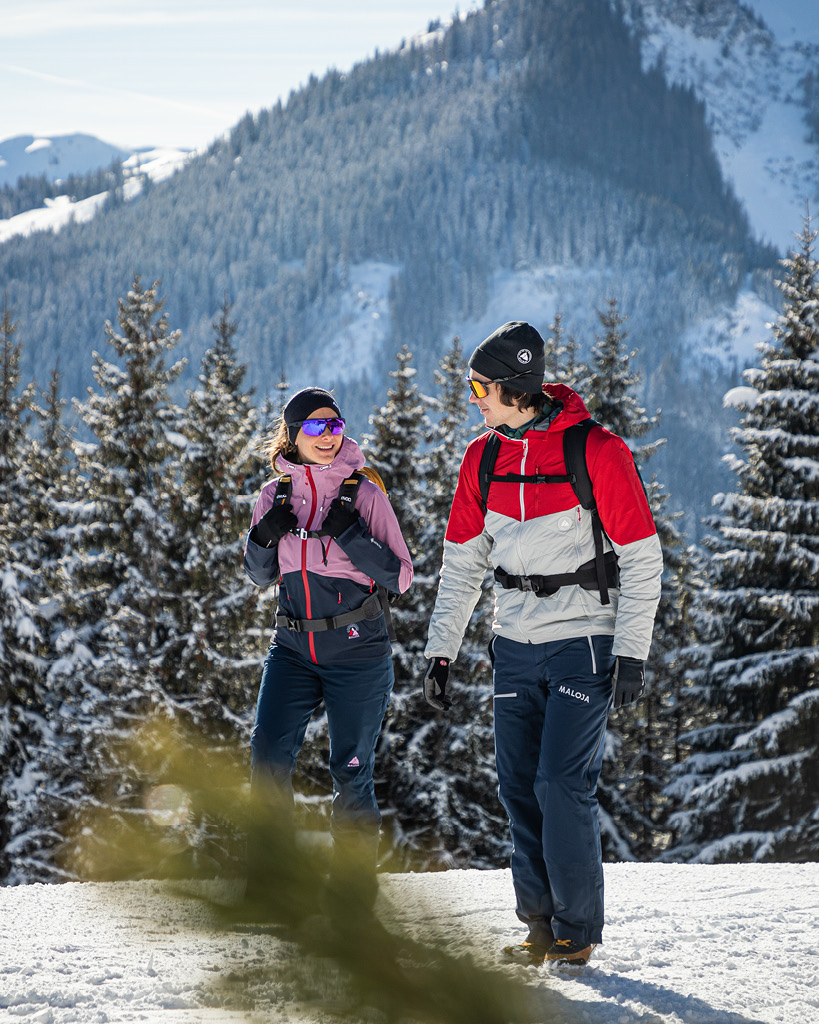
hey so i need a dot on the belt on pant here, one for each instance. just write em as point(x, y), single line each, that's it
point(546, 586)
point(371, 609)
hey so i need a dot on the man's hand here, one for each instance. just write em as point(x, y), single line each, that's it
point(339, 519)
point(435, 679)
point(274, 524)
point(628, 680)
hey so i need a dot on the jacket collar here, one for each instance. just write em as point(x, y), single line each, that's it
point(328, 478)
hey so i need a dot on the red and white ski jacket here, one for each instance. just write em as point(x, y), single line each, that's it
point(541, 529)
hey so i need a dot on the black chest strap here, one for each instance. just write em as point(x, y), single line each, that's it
point(375, 605)
point(577, 476)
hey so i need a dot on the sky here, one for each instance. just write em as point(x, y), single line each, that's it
point(178, 74)
point(160, 73)
point(711, 944)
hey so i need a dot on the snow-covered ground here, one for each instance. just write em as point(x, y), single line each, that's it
point(684, 944)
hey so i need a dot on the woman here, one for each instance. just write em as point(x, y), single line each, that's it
point(331, 640)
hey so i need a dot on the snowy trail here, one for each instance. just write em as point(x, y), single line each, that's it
point(684, 944)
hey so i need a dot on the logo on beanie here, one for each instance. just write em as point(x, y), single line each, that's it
point(524, 356)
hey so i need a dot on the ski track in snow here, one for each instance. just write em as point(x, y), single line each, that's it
point(684, 944)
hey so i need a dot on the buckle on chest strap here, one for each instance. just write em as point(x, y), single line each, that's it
point(301, 533)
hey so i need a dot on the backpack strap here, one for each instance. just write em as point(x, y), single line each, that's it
point(347, 493)
point(575, 439)
point(577, 475)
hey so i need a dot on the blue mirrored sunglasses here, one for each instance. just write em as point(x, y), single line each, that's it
point(315, 428)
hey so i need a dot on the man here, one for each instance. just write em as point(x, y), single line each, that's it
point(574, 612)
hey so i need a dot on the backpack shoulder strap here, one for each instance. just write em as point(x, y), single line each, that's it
point(284, 490)
point(574, 455)
point(486, 465)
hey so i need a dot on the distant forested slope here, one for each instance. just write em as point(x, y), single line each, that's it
point(524, 135)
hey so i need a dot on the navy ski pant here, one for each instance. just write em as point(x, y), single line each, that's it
point(355, 695)
point(551, 706)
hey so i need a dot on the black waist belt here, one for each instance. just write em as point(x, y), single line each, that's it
point(371, 609)
point(546, 586)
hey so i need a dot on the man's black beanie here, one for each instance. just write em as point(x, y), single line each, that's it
point(516, 348)
point(302, 404)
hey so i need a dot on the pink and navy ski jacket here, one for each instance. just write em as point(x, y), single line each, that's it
point(322, 577)
point(532, 529)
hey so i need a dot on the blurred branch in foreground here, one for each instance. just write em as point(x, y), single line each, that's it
point(341, 957)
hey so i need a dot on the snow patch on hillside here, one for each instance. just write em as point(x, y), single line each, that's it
point(732, 337)
point(751, 85)
point(536, 295)
point(156, 164)
point(349, 330)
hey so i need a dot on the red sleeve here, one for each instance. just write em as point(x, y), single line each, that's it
point(466, 517)
point(618, 490)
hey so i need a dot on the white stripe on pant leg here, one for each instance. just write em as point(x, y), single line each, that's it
point(594, 660)
point(497, 696)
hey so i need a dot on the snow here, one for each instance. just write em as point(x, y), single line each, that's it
point(751, 81)
point(157, 164)
point(684, 944)
point(732, 337)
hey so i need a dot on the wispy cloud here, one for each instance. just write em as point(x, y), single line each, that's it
point(47, 17)
point(74, 83)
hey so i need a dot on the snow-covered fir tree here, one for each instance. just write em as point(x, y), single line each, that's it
point(221, 650)
point(22, 639)
point(750, 788)
point(396, 448)
point(641, 737)
point(120, 655)
point(439, 779)
point(563, 362)
point(37, 807)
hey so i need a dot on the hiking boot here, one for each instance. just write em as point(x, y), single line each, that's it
point(533, 949)
point(530, 954)
point(569, 951)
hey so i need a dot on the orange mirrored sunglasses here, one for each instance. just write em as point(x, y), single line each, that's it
point(477, 387)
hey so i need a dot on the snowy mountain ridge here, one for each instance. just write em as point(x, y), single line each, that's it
point(753, 85)
point(60, 156)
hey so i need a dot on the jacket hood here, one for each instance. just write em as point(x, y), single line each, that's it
point(349, 458)
point(574, 408)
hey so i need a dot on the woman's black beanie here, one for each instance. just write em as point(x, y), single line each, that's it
point(302, 404)
point(515, 348)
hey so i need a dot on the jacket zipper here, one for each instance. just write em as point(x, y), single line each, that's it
point(308, 604)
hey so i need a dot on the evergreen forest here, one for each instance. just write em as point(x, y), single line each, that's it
point(524, 138)
point(123, 601)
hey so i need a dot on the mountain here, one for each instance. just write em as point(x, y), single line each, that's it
point(760, 92)
point(56, 157)
point(528, 159)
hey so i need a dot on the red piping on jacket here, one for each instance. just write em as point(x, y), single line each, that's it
point(304, 543)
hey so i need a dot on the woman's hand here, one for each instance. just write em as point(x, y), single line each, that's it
point(339, 519)
point(274, 524)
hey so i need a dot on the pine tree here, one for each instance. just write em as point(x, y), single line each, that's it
point(563, 363)
point(641, 738)
point(120, 654)
point(221, 654)
point(396, 448)
point(37, 804)
point(22, 665)
point(439, 779)
point(749, 788)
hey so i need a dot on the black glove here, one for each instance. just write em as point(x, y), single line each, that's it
point(435, 679)
point(339, 519)
point(274, 524)
point(628, 680)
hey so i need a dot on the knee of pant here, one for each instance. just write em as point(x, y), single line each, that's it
point(264, 751)
point(564, 775)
